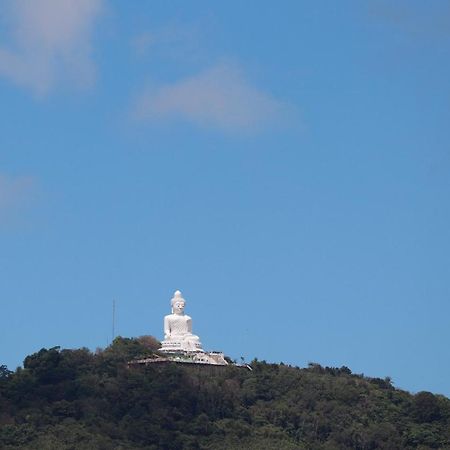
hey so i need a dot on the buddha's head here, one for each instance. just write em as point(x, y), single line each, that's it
point(177, 303)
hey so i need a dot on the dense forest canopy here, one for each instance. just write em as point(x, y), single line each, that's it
point(77, 399)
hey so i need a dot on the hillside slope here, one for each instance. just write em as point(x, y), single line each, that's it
point(76, 399)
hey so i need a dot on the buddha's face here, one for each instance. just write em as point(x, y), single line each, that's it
point(178, 307)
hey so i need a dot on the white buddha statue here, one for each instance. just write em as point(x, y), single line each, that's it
point(178, 329)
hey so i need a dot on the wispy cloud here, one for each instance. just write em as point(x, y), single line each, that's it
point(219, 97)
point(50, 43)
point(15, 192)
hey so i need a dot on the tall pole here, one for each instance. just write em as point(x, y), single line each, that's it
point(113, 319)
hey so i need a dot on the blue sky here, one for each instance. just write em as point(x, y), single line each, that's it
point(285, 165)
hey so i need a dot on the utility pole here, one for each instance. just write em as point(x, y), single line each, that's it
point(113, 320)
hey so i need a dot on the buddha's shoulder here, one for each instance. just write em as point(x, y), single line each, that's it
point(170, 316)
point(177, 317)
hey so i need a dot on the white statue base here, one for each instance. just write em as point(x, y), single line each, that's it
point(180, 346)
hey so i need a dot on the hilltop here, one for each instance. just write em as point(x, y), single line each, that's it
point(78, 399)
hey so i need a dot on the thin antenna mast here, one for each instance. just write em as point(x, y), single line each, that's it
point(113, 319)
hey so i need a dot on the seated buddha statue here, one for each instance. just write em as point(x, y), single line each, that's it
point(178, 329)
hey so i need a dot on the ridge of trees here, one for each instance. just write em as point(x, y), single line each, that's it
point(77, 399)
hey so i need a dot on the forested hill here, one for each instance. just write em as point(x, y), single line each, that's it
point(76, 399)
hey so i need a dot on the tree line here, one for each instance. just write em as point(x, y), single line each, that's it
point(77, 399)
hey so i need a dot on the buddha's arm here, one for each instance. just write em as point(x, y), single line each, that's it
point(189, 325)
point(166, 328)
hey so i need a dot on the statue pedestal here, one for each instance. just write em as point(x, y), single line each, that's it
point(179, 345)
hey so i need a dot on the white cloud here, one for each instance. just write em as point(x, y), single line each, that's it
point(50, 43)
point(14, 193)
point(219, 97)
